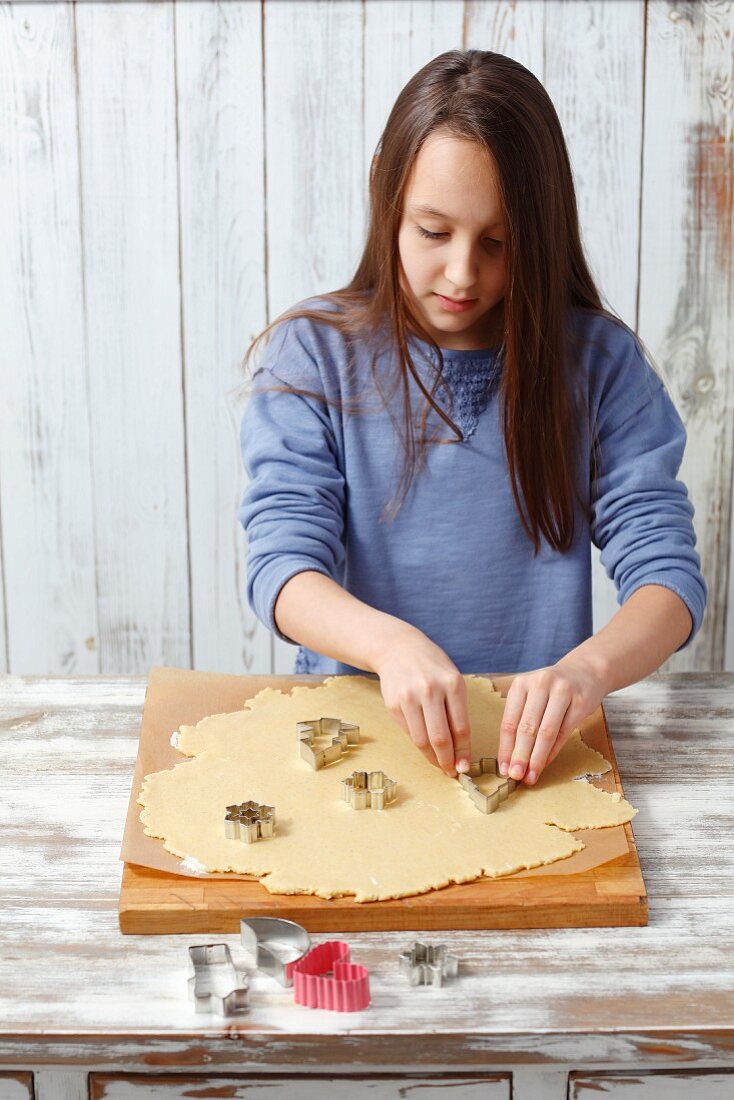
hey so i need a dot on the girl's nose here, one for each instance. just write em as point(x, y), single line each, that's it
point(462, 270)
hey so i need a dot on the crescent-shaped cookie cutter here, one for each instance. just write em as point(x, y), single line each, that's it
point(277, 945)
point(214, 971)
point(428, 964)
point(249, 821)
point(343, 736)
point(369, 790)
point(487, 803)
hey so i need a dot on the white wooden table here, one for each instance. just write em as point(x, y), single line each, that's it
point(622, 1012)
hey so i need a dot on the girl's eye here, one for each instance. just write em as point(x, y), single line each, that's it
point(426, 233)
point(435, 236)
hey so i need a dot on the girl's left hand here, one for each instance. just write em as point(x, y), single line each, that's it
point(542, 709)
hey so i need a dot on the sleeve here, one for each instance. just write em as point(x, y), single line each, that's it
point(292, 509)
point(641, 516)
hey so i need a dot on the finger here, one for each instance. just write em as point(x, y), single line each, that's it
point(456, 708)
point(527, 729)
point(416, 730)
point(514, 704)
point(570, 723)
point(548, 730)
point(437, 724)
point(423, 745)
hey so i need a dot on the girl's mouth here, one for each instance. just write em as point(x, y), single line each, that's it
point(456, 307)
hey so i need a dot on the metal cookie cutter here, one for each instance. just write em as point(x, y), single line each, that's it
point(428, 964)
point(369, 790)
point(215, 972)
point(249, 821)
point(487, 803)
point(343, 736)
point(270, 939)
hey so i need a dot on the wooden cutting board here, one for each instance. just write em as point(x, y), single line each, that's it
point(610, 894)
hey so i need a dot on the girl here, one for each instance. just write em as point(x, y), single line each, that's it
point(432, 449)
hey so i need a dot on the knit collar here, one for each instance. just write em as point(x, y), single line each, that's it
point(467, 381)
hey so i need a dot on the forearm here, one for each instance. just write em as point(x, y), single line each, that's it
point(650, 626)
point(318, 613)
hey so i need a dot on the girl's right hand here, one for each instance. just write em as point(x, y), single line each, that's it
point(426, 695)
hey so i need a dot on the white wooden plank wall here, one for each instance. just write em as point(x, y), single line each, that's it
point(175, 174)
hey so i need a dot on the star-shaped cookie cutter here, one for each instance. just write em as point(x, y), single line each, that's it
point(428, 964)
point(249, 821)
point(343, 736)
point(487, 803)
point(369, 790)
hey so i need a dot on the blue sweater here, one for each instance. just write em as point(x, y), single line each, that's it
point(456, 562)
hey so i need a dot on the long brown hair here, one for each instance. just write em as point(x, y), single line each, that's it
point(493, 100)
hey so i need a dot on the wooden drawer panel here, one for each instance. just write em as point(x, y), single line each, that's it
point(16, 1086)
point(444, 1086)
point(664, 1085)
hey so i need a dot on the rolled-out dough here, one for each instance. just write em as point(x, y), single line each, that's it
point(432, 835)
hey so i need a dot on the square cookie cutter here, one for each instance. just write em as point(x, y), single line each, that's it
point(343, 736)
point(487, 803)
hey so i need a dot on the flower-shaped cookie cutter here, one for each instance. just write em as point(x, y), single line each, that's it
point(428, 964)
point(369, 790)
point(216, 984)
point(487, 803)
point(249, 821)
point(343, 736)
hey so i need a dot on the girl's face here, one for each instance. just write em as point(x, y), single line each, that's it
point(464, 256)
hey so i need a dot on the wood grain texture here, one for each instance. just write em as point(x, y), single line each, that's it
point(128, 170)
point(686, 316)
point(16, 1086)
point(46, 490)
point(651, 1086)
point(219, 111)
point(153, 903)
point(73, 991)
point(177, 175)
point(444, 1087)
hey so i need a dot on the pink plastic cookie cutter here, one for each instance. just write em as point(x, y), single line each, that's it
point(348, 990)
